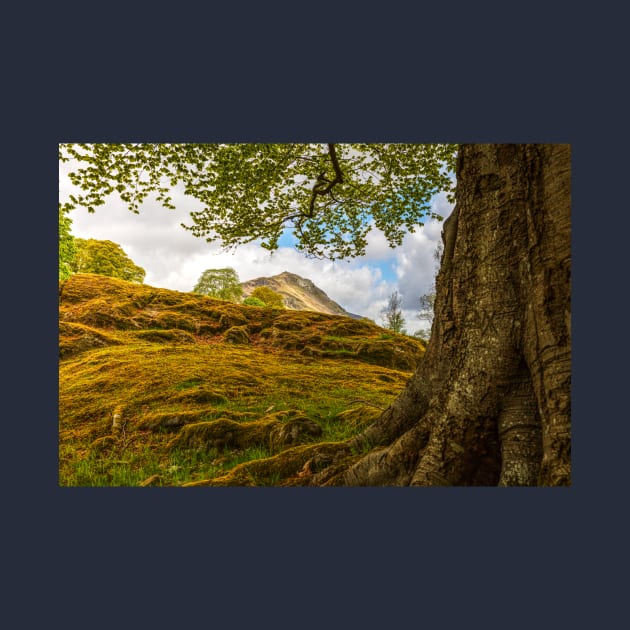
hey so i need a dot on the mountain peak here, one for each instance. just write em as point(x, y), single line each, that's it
point(300, 294)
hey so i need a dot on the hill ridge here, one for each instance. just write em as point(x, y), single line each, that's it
point(96, 311)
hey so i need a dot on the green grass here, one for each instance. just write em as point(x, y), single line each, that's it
point(159, 388)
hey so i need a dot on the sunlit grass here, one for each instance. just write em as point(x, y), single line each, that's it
point(125, 397)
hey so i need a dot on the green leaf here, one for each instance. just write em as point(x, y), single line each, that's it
point(330, 200)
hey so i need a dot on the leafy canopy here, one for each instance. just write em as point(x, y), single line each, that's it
point(329, 195)
point(220, 283)
point(105, 258)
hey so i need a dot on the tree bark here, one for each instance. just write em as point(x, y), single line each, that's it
point(490, 402)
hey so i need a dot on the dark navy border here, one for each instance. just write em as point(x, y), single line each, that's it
point(339, 558)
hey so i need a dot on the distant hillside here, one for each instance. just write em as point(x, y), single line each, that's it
point(300, 294)
point(164, 388)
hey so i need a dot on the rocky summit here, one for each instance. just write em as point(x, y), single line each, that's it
point(300, 294)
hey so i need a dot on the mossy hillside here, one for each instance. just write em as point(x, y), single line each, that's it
point(105, 307)
point(162, 409)
point(176, 403)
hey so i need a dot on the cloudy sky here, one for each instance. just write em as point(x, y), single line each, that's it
point(174, 259)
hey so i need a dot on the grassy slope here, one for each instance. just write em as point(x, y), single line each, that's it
point(205, 392)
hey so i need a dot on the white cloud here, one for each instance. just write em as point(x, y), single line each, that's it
point(415, 262)
point(173, 258)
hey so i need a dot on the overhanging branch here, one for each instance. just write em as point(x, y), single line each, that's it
point(323, 186)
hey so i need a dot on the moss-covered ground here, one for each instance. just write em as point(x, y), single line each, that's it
point(163, 388)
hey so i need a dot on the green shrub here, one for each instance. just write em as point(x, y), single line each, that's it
point(268, 296)
point(252, 301)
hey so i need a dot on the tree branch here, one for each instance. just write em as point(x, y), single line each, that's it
point(323, 185)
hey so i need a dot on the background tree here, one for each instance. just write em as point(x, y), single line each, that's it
point(427, 304)
point(268, 297)
point(392, 314)
point(427, 300)
point(67, 248)
point(222, 284)
point(490, 401)
point(105, 258)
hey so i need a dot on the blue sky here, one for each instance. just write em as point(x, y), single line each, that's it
point(174, 259)
point(387, 265)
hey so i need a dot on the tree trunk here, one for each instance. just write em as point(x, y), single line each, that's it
point(490, 403)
